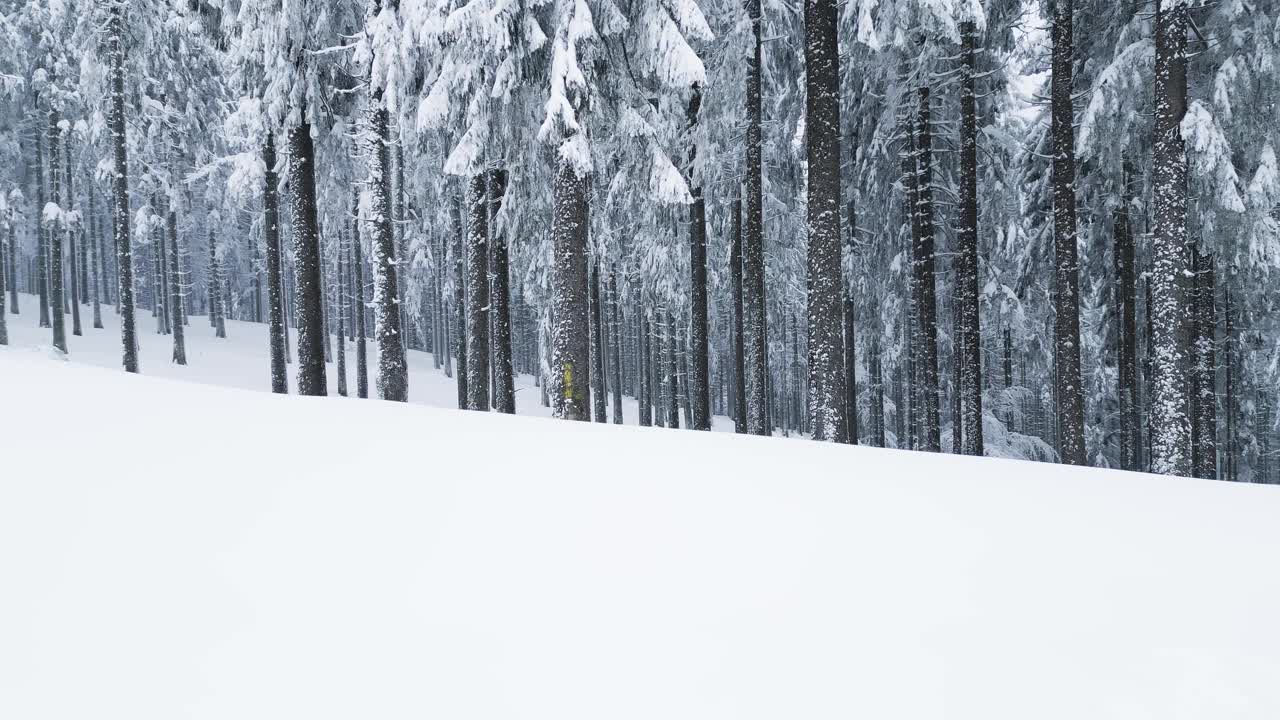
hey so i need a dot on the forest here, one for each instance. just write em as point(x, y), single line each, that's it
point(1034, 229)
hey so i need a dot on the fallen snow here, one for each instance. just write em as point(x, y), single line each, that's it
point(176, 550)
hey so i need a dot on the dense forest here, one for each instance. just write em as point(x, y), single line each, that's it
point(1040, 229)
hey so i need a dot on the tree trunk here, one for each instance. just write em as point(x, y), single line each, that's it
point(1127, 337)
point(615, 337)
point(478, 294)
point(970, 335)
point(698, 342)
point(1170, 401)
point(827, 372)
point(175, 288)
point(570, 355)
point(393, 378)
point(735, 288)
point(308, 287)
point(342, 300)
point(42, 232)
point(120, 192)
point(357, 265)
point(754, 318)
point(1205, 315)
point(924, 263)
point(56, 288)
point(460, 304)
point(1069, 390)
point(598, 383)
point(275, 279)
point(504, 393)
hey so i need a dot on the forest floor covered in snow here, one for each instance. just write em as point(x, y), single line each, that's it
point(241, 359)
point(181, 550)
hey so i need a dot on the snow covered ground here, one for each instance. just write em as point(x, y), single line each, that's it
point(181, 550)
point(240, 360)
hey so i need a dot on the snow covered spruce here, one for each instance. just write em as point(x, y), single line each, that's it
point(1039, 229)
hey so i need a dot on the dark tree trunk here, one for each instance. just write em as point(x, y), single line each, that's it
point(308, 287)
point(615, 337)
point(1127, 336)
point(13, 269)
point(598, 383)
point(175, 289)
point(504, 393)
point(362, 359)
point(735, 288)
point(342, 300)
point(1170, 401)
point(570, 355)
point(673, 394)
point(72, 233)
point(924, 263)
point(970, 329)
point(459, 328)
point(851, 331)
point(42, 232)
point(216, 305)
point(477, 328)
point(645, 396)
point(698, 343)
point(393, 378)
point(6, 263)
point(754, 319)
point(1206, 421)
point(1069, 390)
point(827, 398)
point(56, 300)
point(275, 279)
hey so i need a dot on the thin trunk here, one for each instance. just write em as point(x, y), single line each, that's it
point(598, 383)
point(735, 288)
point(308, 284)
point(615, 337)
point(477, 327)
point(970, 335)
point(698, 343)
point(393, 378)
point(175, 290)
point(1127, 337)
point(342, 301)
point(460, 304)
point(362, 359)
point(924, 262)
point(504, 393)
point(754, 318)
point(275, 280)
point(56, 288)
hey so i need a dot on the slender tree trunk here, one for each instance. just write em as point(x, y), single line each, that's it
point(1126, 312)
point(615, 337)
point(56, 300)
point(5, 264)
point(460, 304)
point(504, 393)
point(570, 357)
point(673, 394)
point(645, 396)
point(970, 335)
point(392, 379)
point(478, 294)
point(598, 383)
point(698, 342)
point(275, 279)
point(735, 288)
point(1069, 389)
point(357, 265)
point(43, 232)
point(1170, 402)
point(925, 270)
point(827, 379)
point(1206, 407)
point(342, 300)
point(120, 191)
point(754, 318)
point(850, 324)
point(13, 268)
point(175, 288)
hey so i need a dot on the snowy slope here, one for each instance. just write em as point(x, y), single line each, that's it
point(175, 550)
point(240, 360)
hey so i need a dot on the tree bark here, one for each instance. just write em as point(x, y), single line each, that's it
point(1170, 401)
point(598, 383)
point(615, 338)
point(478, 294)
point(698, 342)
point(275, 279)
point(504, 393)
point(924, 263)
point(570, 354)
point(754, 318)
point(392, 379)
point(1069, 389)
point(827, 380)
point(970, 336)
point(56, 300)
point(735, 287)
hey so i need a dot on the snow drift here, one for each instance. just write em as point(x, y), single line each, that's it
point(174, 550)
